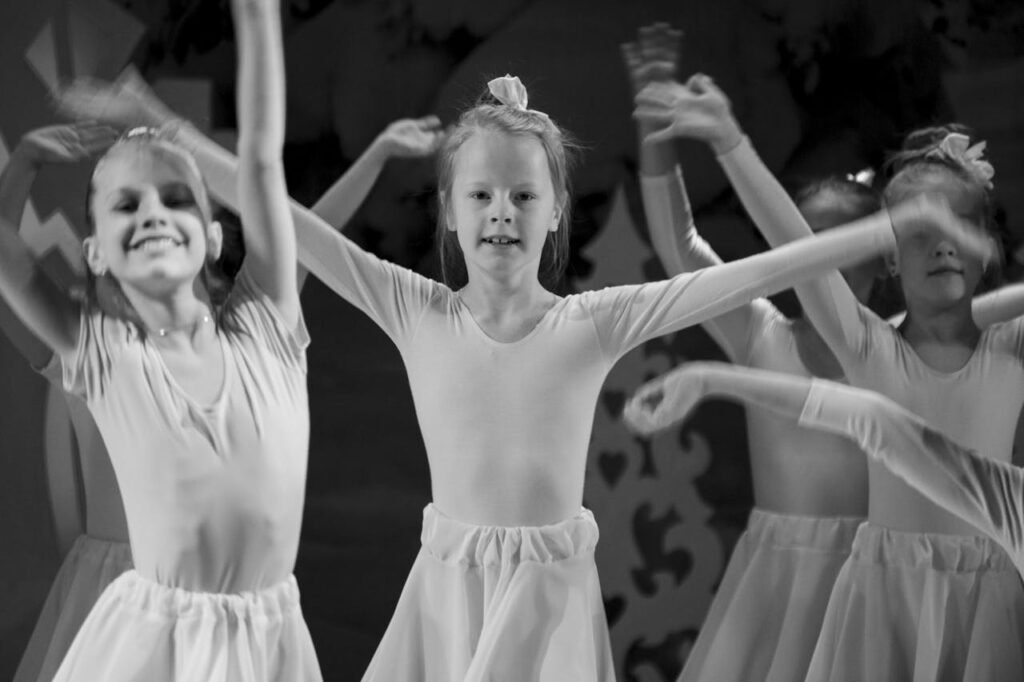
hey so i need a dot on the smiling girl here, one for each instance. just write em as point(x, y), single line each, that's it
point(202, 405)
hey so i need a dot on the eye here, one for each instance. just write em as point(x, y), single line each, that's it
point(178, 199)
point(126, 206)
point(525, 196)
point(479, 195)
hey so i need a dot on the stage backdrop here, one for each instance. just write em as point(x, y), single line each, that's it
point(819, 87)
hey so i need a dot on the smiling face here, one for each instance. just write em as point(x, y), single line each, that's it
point(502, 203)
point(933, 272)
point(151, 231)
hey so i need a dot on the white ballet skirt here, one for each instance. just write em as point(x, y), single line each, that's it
point(922, 607)
point(766, 616)
point(499, 603)
point(89, 566)
point(140, 630)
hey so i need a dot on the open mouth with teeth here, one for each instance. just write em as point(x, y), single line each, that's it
point(148, 244)
point(500, 241)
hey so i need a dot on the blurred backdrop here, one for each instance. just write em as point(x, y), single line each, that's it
point(819, 87)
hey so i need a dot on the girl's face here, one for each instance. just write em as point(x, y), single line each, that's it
point(150, 232)
point(826, 210)
point(933, 273)
point(503, 202)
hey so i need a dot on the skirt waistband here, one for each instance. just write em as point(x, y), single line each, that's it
point(950, 553)
point(454, 541)
point(276, 601)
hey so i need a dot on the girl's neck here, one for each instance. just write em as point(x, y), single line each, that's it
point(501, 296)
point(953, 325)
point(182, 313)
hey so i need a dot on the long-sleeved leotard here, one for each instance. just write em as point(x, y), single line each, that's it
point(521, 412)
point(977, 405)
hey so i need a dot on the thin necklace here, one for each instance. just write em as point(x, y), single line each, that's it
point(164, 331)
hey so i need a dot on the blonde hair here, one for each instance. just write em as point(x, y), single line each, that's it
point(490, 114)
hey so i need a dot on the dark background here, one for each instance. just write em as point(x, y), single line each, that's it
point(820, 87)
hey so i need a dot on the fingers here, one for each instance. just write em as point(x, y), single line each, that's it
point(430, 122)
point(658, 95)
point(631, 55)
point(666, 134)
point(94, 138)
point(638, 419)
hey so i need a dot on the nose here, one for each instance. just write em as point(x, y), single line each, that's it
point(944, 248)
point(501, 212)
point(152, 213)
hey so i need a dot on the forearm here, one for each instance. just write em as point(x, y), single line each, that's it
point(35, 300)
point(16, 182)
point(339, 203)
point(261, 92)
point(681, 249)
point(266, 222)
point(1005, 303)
point(671, 227)
point(765, 200)
point(781, 394)
point(15, 185)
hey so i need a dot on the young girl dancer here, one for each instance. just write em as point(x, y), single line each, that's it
point(767, 613)
point(100, 553)
point(922, 596)
point(983, 491)
point(204, 409)
point(505, 376)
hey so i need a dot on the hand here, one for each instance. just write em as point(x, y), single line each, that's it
point(128, 102)
point(654, 57)
point(412, 137)
point(698, 109)
point(65, 143)
point(666, 400)
point(925, 212)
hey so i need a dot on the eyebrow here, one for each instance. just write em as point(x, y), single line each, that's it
point(130, 190)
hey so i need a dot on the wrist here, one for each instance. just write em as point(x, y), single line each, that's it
point(380, 150)
point(727, 138)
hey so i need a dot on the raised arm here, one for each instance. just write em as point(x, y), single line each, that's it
point(654, 58)
point(263, 207)
point(405, 138)
point(392, 296)
point(42, 307)
point(700, 110)
point(44, 319)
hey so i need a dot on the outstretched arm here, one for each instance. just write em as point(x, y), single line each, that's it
point(653, 58)
point(628, 316)
point(263, 207)
point(1000, 305)
point(982, 491)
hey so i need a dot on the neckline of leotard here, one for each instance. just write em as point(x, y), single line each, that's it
point(463, 307)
